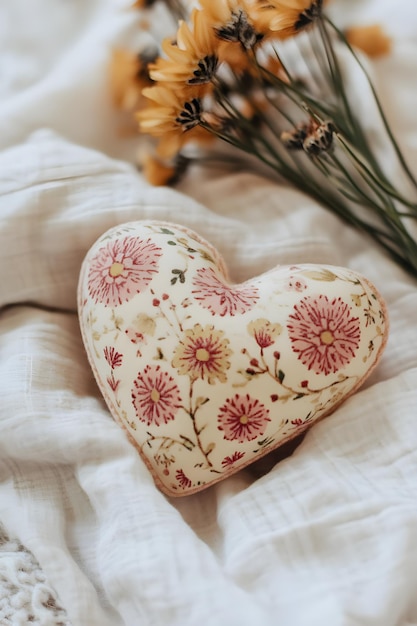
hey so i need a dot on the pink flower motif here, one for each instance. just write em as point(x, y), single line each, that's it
point(183, 480)
point(323, 333)
point(113, 358)
point(134, 336)
point(231, 460)
point(243, 418)
point(296, 284)
point(122, 269)
point(223, 299)
point(155, 396)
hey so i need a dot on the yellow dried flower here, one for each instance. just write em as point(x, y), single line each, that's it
point(192, 59)
point(286, 18)
point(233, 20)
point(172, 117)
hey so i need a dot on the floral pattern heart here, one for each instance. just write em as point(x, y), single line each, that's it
point(207, 376)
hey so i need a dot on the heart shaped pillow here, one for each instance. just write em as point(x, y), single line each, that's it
point(208, 376)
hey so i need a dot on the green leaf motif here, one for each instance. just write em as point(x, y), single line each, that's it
point(298, 396)
point(178, 274)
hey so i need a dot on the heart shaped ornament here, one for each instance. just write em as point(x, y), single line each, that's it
point(208, 376)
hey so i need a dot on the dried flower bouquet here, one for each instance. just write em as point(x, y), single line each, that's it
point(268, 78)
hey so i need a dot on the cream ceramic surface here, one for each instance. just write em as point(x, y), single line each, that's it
point(207, 376)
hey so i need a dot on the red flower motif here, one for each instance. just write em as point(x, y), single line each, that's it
point(183, 480)
point(221, 299)
point(323, 333)
point(264, 340)
point(113, 358)
point(243, 418)
point(155, 396)
point(231, 460)
point(121, 269)
point(264, 332)
point(112, 382)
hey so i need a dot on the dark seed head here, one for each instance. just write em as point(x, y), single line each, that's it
point(239, 29)
point(206, 69)
point(190, 116)
point(308, 16)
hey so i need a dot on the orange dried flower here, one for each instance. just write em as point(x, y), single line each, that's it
point(237, 30)
point(233, 20)
point(370, 39)
point(192, 59)
point(172, 117)
point(286, 18)
point(157, 172)
point(128, 76)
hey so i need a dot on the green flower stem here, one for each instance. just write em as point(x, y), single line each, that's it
point(354, 129)
point(387, 187)
point(316, 46)
point(386, 210)
point(397, 233)
point(387, 127)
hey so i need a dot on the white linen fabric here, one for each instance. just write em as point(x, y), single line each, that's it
point(324, 536)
